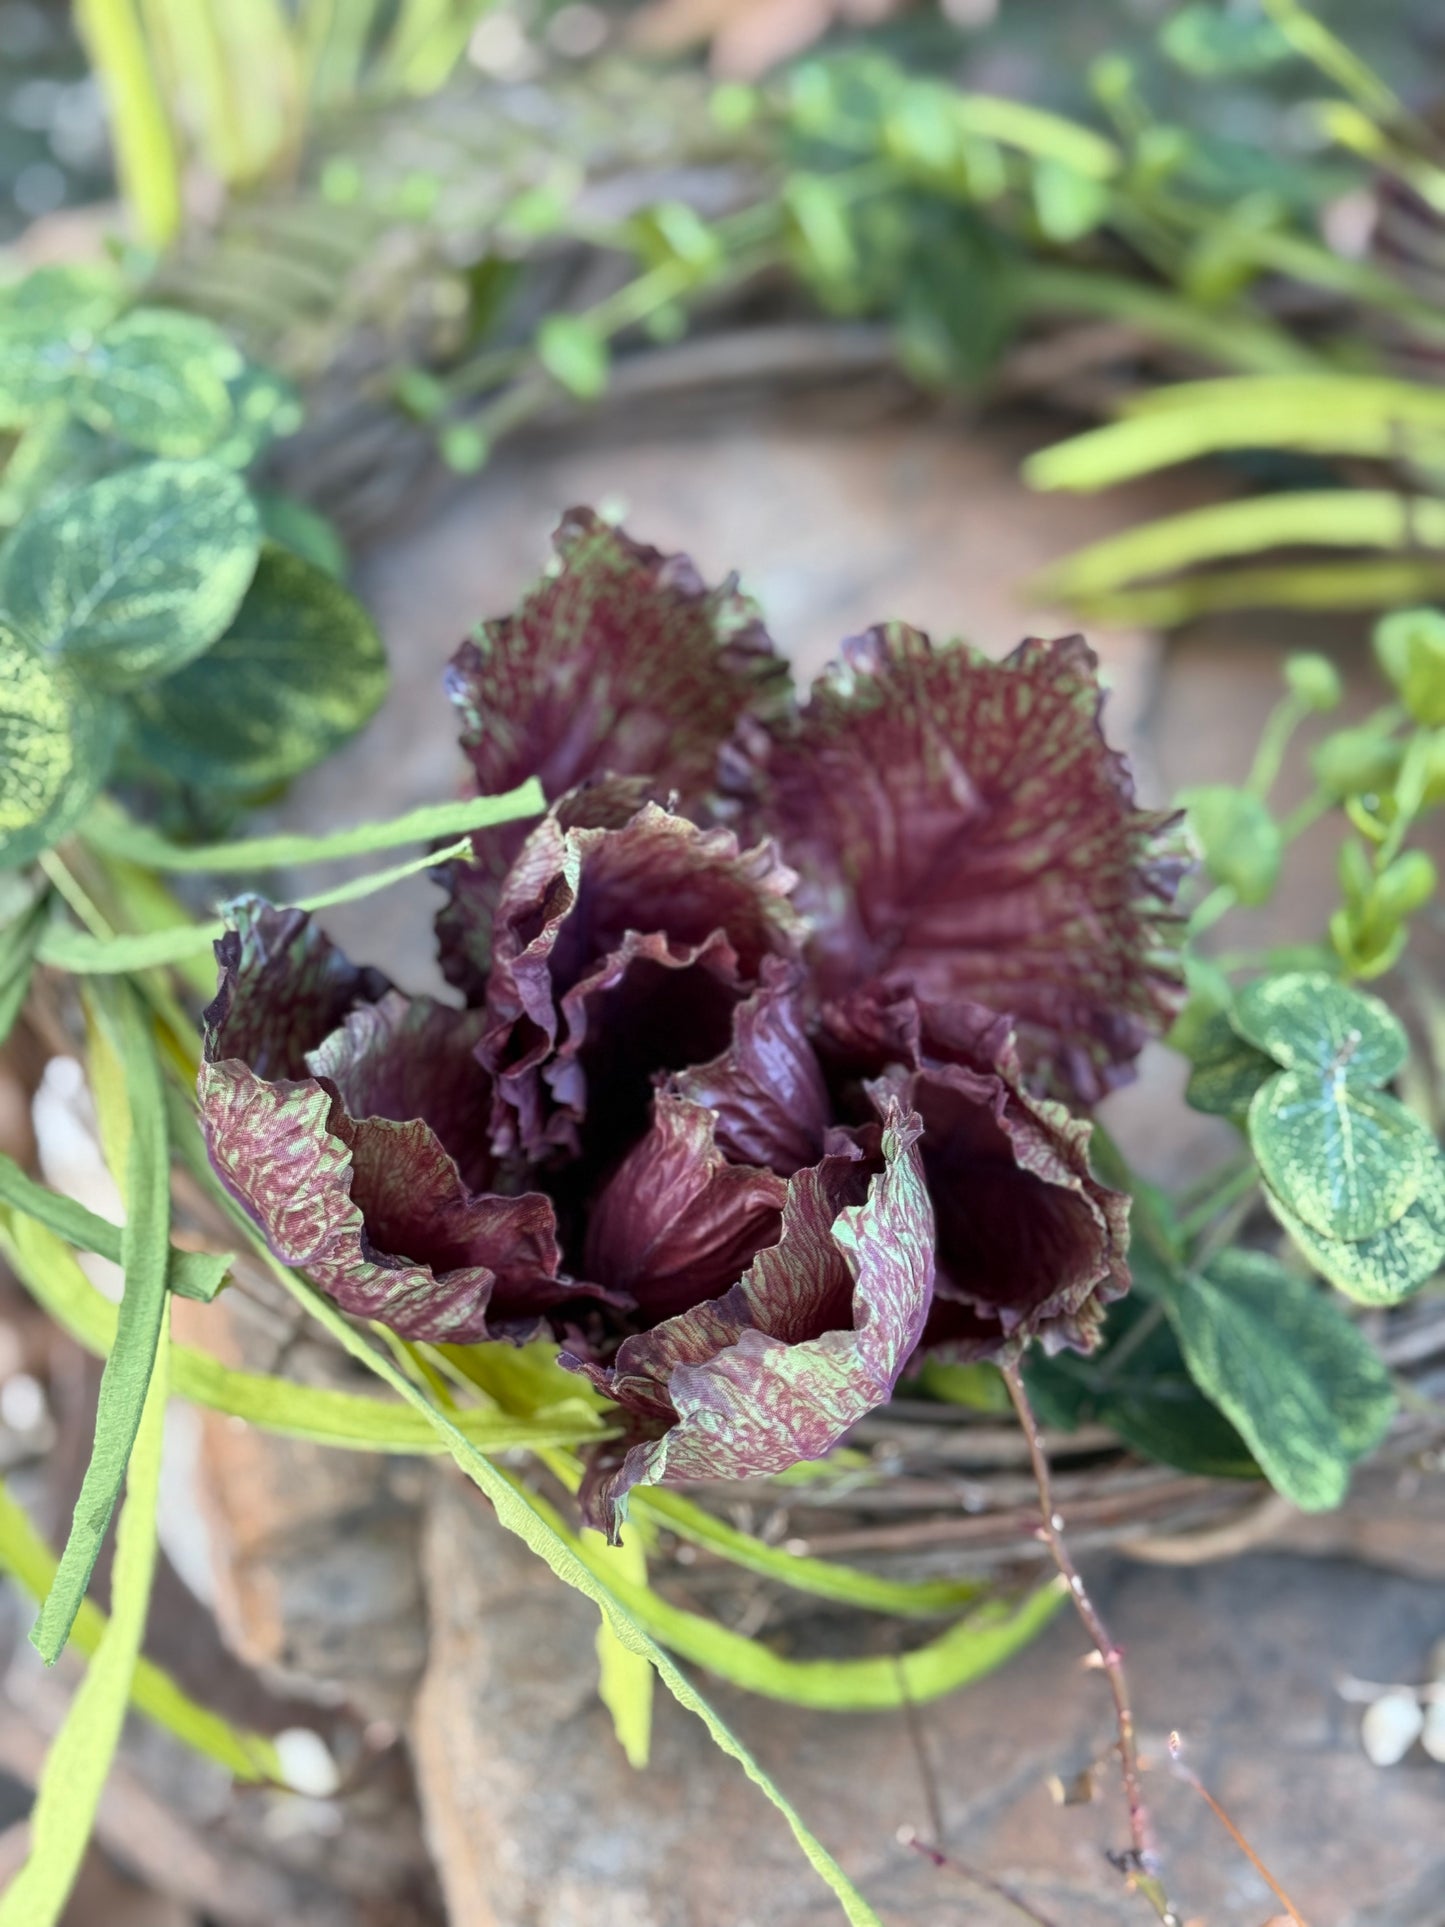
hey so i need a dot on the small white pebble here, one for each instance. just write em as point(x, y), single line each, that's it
point(22, 1402)
point(1391, 1727)
point(1432, 1736)
point(307, 1763)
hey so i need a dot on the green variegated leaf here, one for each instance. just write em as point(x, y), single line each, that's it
point(133, 576)
point(57, 742)
point(1137, 1384)
point(1384, 1268)
point(300, 669)
point(158, 380)
point(1227, 1071)
point(302, 529)
point(1307, 1020)
point(264, 408)
point(79, 298)
point(47, 321)
point(54, 453)
point(1347, 1160)
point(1307, 1392)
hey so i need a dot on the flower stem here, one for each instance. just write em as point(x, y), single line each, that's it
point(1142, 1860)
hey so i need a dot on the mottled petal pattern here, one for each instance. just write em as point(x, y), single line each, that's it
point(1030, 1244)
point(620, 953)
point(766, 1089)
point(350, 1184)
point(621, 659)
point(811, 1338)
point(961, 826)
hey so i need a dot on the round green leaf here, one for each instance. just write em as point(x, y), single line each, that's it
point(1410, 645)
point(1308, 1020)
point(133, 576)
point(1227, 1071)
point(1347, 1160)
point(295, 525)
point(1307, 1391)
point(300, 670)
point(1239, 838)
point(80, 297)
point(47, 321)
point(574, 354)
point(264, 407)
point(158, 380)
point(56, 745)
point(1383, 1269)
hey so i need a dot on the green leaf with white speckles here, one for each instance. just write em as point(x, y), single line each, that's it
point(1346, 1159)
point(1307, 1020)
point(133, 576)
point(1307, 1392)
point(158, 380)
point(264, 407)
point(1227, 1070)
point(300, 670)
point(57, 740)
point(1383, 1269)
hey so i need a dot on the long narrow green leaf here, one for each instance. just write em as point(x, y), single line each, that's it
point(1393, 584)
point(1317, 518)
point(922, 1598)
point(1034, 130)
point(1329, 415)
point(84, 955)
point(520, 1514)
point(246, 1755)
point(19, 941)
point(79, 1760)
point(351, 1420)
point(145, 149)
point(625, 1678)
point(975, 1646)
point(107, 829)
point(145, 1250)
point(1238, 340)
point(190, 1274)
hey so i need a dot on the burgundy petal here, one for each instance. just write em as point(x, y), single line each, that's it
point(620, 659)
point(368, 1201)
point(620, 953)
point(408, 1058)
point(810, 1339)
point(1030, 1244)
point(765, 1090)
point(297, 988)
point(962, 827)
point(677, 1222)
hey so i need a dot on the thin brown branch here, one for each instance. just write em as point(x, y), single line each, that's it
point(1142, 1859)
point(974, 1875)
point(1191, 1778)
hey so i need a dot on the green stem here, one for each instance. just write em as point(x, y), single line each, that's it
point(1238, 1184)
point(1284, 720)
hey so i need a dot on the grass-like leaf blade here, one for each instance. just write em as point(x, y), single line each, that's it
point(248, 1756)
point(107, 829)
point(625, 1678)
point(84, 955)
point(350, 1420)
point(189, 1274)
point(145, 1250)
point(79, 1760)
